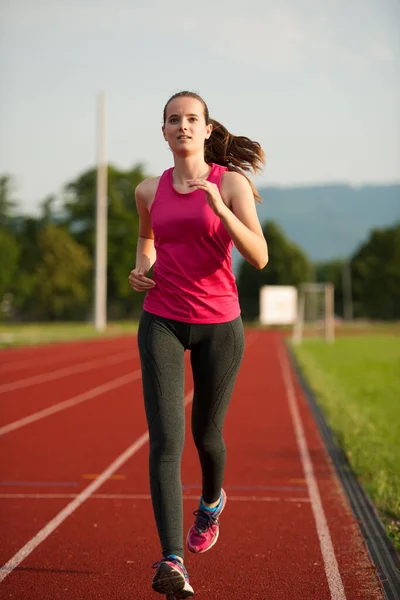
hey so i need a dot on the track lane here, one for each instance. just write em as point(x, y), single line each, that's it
point(23, 402)
point(267, 550)
point(82, 440)
point(56, 454)
point(358, 574)
point(131, 519)
point(13, 361)
point(31, 378)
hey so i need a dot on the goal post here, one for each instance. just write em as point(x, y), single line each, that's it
point(316, 309)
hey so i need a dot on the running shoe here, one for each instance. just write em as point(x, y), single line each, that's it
point(204, 533)
point(172, 579)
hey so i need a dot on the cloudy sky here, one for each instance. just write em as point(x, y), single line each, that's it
point(316, 82)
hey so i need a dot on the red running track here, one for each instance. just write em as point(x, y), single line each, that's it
point(76, 514)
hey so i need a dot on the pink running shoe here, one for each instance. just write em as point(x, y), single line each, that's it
point(204, 533)
point(172, 579)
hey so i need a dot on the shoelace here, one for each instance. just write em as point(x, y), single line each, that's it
point(204, 520)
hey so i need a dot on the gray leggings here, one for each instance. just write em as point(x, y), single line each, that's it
point(216, 354)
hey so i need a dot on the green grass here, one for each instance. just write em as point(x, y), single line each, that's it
point(357, 383)
point(42, 333)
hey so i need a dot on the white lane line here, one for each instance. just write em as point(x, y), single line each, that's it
point(328, 553)
point(17, 365)
point(250, 338)
point(65, 371)
point(76, 502)
point(51, 410)
point(148, 497)
point(57, 356)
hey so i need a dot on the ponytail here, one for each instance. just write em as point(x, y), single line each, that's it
point(237, 153)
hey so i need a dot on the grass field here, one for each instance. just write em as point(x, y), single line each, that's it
point(357, 383)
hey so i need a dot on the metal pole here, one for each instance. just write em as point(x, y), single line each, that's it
point(101, 220)
point(347, 292)
point(299, 324)
point(329, 313)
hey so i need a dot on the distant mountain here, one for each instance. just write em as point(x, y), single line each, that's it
point(328, 221)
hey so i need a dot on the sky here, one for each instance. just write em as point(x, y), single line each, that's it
point(316, 82)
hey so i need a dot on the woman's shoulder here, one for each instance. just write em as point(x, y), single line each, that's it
point(146, 191)
point(146, 186)
point(233, 176)
point(232, 180)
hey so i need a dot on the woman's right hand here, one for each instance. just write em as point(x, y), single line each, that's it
point(139, 282)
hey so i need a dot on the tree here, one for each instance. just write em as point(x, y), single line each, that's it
point(123, 221)
point(9, 253)
point(26, 234)
point(47, 207)
point(26, 230)
point(7, 204)
point(287, 265)
point(376, 275)
point(60, 285)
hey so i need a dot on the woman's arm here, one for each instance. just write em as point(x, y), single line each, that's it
point(241, 222)
point(145, 252)
point(238, 213)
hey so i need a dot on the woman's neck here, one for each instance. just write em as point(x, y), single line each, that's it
point(190, 167)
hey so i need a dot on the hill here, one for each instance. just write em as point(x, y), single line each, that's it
point(328, 221)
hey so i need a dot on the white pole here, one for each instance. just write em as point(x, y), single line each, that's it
point(100, 307)
point(329, 313)
point(347, 292)
point(297, 334)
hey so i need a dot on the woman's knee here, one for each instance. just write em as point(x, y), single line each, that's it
point(166, 447)
point(208, 442)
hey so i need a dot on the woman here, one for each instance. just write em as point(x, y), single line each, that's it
point(189, 219)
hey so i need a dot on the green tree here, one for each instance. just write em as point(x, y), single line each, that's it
point(7, 203)
point(9, 253)
point(376, 275)
point(27, 230)
point(47, 208)
point(26, 233)
point(123, 221)
point(60, 289)
point(287, 265)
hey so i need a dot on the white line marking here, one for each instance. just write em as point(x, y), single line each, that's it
point(56, 356)
point(328, 553)
point(250, 338)
point(51, 410)
point(65, 371)
point(47, 360)
point(76, 502)
point(148, 497)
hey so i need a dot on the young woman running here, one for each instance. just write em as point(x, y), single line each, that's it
point(189, 219)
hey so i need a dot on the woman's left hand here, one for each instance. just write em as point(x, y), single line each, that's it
point(212, 194)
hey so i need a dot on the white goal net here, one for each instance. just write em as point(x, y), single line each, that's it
point(315, 313)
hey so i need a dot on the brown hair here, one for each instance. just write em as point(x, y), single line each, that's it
point(236, 152)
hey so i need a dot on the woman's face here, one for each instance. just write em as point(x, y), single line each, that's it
point(185, 127)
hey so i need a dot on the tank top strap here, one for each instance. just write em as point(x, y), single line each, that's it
point(216, 173)
point(163, 189)
point(164, 183)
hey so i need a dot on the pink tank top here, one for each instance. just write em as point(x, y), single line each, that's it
point(193, 270)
